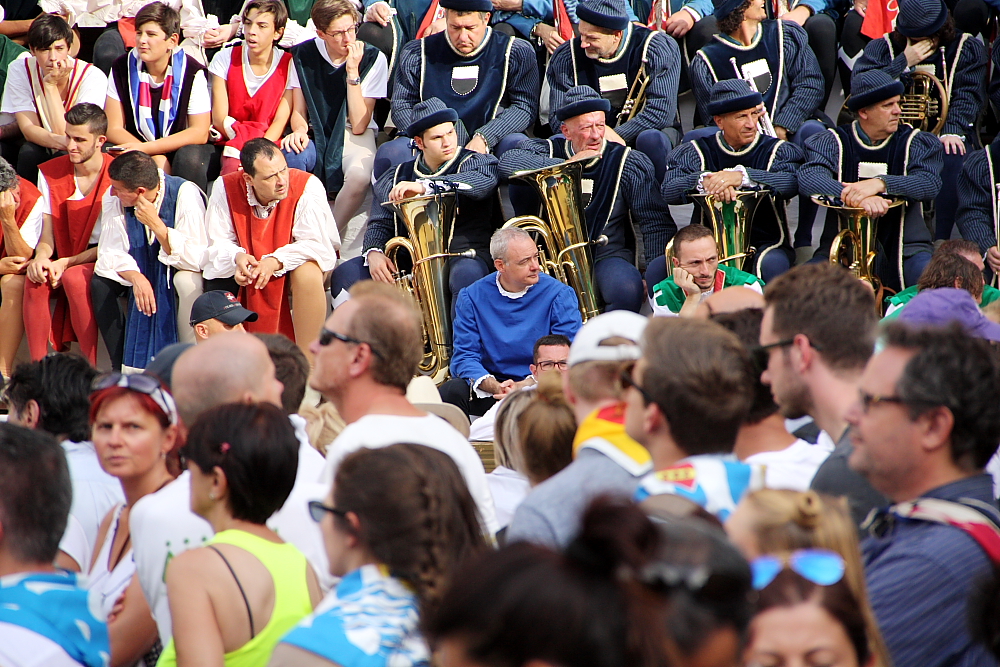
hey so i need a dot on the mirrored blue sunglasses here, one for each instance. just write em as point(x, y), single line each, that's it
point(819, 566)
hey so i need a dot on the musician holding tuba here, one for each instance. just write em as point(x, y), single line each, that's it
point(926, 41)
point(618, 191)
point(739, 157)
point(869, 159)
point(635, 69)
point(441, 165)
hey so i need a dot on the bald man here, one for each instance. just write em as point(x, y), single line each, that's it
point(729, 300)
point(230, 367)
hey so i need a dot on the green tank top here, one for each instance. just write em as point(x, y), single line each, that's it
point(287, 566)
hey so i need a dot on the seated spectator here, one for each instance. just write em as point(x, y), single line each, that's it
point(398, 523)
point(252, 84)
point(339, 81)
point(291, 369)
point(144, 114)
point(508, 481)
point(73, 188)
point(948, 268)
point(697, 274)
point(270, 230)
point(243, 461)
point(46, 617)
point(941, 306)
point(789, 462)
point(39, 91)
point(122, 28)
point(806, 611)
point(772, 521)
point(606, 460)
point(218, 311)
point(21, 221)
point(134, 427)
point(517, 303)
point(153, 241)
point(53, 395)
point(688, 395)
point(546, 428)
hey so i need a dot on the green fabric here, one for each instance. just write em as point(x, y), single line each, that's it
point(299, 10)
point(9, 50)
point(990, 294)
point(288, 568)
point(667, 293)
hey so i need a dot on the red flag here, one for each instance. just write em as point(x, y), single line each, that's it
point(879, 18)
point(563, 24)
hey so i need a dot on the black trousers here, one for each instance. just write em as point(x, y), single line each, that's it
point(459, 393)
point(109, 312)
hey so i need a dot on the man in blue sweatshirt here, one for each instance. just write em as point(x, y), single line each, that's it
point(499, 317)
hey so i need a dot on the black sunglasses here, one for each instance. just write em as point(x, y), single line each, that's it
point(626, 379)
point(326, 337)
point(317, 510)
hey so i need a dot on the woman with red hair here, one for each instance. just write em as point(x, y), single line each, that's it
point(134, 429)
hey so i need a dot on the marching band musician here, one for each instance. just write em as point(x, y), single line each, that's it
point(441, 165)
point(609, 55)
point(978, 202)
point(873, 156)
point(925, 39)
point(738, 157)
point(490, 79)
point(620, 183)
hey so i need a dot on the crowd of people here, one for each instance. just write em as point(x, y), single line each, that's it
point(299, 396)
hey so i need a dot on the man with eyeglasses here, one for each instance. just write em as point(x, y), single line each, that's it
point(818, 333)
point(697, 274)
point(271, 232)
point(340, 80)
point(366, 354)
point(605, 459)
point(924, 422)
point(498, 317)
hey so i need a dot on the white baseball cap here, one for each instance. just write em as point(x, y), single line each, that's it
point(618, 323)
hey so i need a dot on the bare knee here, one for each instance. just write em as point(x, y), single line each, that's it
point(12, 287)
point(306, 274)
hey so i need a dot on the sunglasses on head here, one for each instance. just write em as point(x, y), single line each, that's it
point(820, 566)
point(143, 384)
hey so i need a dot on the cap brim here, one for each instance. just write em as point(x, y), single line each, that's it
point(235, 316)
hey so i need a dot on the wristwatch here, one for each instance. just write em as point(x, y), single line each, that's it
point(354, 82)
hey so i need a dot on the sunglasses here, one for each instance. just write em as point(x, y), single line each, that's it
point(317, 510)
point(326, 337)
point(819, 566)
point(143, 384)
point(626, 380)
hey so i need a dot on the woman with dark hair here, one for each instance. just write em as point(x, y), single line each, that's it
point(806, 613)
point(134, 430)
point(234, 598)
point(399, 520)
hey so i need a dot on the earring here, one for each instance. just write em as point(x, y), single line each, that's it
point(211, 495)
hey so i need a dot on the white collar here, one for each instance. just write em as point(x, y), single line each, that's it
point(475, 51)
point(511, 295)
point(264, 211)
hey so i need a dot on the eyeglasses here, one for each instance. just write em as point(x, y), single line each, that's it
point(326, 337)
point(787, 342)
point(144, 384)
point(627, 381)
point(819, 566)
point(353, 30)
point(549, 365)
point(868, 401)
point(317, 510)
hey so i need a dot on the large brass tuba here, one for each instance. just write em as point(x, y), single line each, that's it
point(429, 220)
point(855, 246)
point(564, 245)
point(730, 223)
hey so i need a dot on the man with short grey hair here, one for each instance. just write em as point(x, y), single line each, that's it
point(518, 303)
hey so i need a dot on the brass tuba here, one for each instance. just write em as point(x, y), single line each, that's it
point(429, 220)
point(854, 246)
point(730, 223)
point(923, 105)
point(564, 246)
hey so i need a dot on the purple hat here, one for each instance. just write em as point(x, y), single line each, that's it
point(946, 305)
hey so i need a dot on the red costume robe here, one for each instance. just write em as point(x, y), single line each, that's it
point(254, 114)
point(29, 197)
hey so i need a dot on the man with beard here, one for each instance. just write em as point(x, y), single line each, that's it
point(818, 333)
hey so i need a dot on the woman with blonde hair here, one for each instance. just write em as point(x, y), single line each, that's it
point(773, 521)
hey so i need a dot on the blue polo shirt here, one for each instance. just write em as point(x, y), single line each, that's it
point(920, 575)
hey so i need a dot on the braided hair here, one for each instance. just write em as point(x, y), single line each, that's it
point(415, 511)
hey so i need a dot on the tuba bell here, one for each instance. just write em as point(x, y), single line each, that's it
point(430, 221)
point(564, 246)
point(855, 245)
point(730, 223)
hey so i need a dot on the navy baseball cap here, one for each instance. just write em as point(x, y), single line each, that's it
point(222, 306)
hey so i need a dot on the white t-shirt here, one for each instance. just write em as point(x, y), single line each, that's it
point(374, 84)
point(374, 431)
point(17, 91)
point(223, 59)
point(482, 429)
point(43, 187)
point(509, 488)
point(95, 492)
point(74, 543)
point(793, 467)
point(20, 647)
point(199, 102)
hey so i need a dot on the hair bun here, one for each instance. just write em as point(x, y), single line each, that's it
point(809, 509)
point(550, 389)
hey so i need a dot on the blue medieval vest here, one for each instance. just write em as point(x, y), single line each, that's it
point(763, 59)
point(145, 336)
point(769, 225)
point(604, 209)
point(473, 86)
point(612, 77)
